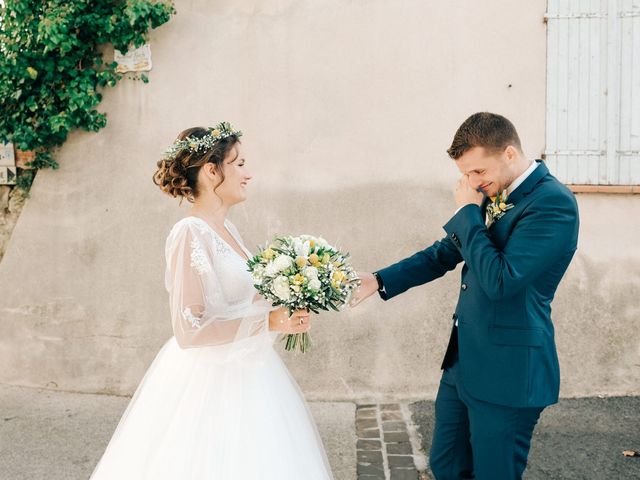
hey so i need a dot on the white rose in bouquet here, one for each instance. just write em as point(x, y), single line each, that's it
point(283, 262)
point(310, 272)
point(280, 264)
point(301, 247)
point(314, 284)
point(280, 288)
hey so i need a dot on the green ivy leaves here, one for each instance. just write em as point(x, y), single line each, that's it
point(52, 67)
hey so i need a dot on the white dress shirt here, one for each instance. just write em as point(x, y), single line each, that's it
point(518, 181)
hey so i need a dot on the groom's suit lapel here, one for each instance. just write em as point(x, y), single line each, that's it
point(529, 184)
point(483, 206)
point(501, 228)
point(521, 192)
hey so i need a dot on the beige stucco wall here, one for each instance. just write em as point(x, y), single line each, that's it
point(347, 109)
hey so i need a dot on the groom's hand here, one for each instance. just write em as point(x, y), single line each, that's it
point(465, 194)
point(368, 286)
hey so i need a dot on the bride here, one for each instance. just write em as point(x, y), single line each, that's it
point(217, 403)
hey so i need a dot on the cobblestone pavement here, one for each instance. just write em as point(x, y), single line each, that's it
point(577, 439)
point(388, 446)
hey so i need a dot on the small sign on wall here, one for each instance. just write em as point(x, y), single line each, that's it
point(7, 157)
point(8, 175)
point(136, 60)
point(8, 170)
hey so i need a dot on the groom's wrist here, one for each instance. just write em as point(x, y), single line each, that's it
point(380, 282)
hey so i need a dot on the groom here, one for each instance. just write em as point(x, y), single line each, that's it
point(516, 230)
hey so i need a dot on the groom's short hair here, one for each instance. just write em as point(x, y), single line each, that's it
point(491, 131)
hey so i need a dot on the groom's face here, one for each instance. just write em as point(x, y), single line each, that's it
point(487, 171)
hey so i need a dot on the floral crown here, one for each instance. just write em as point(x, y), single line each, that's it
point(194, 144)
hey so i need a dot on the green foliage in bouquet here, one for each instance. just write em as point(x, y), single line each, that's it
point(52, 67)
point(303, 273)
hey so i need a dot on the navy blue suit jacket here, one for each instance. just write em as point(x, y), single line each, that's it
point(507, 352)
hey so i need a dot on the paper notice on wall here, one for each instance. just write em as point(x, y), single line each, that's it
point(8, 175)
point(136, 60)
point(7, 157)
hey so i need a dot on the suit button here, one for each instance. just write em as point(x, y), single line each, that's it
point(464, 286)
point(454, 237)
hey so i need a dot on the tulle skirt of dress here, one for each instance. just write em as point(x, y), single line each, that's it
point(201, 414)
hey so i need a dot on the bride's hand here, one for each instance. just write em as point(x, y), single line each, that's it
point(280, 321)
point(368, 286)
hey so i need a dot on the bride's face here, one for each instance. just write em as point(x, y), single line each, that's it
point(231, 190)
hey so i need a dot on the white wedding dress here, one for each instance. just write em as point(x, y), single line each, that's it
point(217, 403)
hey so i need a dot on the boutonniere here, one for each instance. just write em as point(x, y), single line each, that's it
point(498, 207)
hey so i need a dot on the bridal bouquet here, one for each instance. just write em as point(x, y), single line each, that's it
point(303, 273)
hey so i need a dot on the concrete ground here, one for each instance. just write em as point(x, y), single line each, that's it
point(61, 436)
point(577, 439)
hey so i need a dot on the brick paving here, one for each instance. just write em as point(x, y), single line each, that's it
point(388, 445)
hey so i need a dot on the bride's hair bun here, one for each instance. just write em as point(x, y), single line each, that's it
point(177, 174)
point(171, 177)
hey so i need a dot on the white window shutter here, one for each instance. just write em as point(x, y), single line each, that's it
point(629, 142)
point(593, 91)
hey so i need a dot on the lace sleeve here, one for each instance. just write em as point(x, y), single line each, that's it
point(201, 315)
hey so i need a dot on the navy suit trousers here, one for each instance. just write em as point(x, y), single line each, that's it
point(477, 439)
